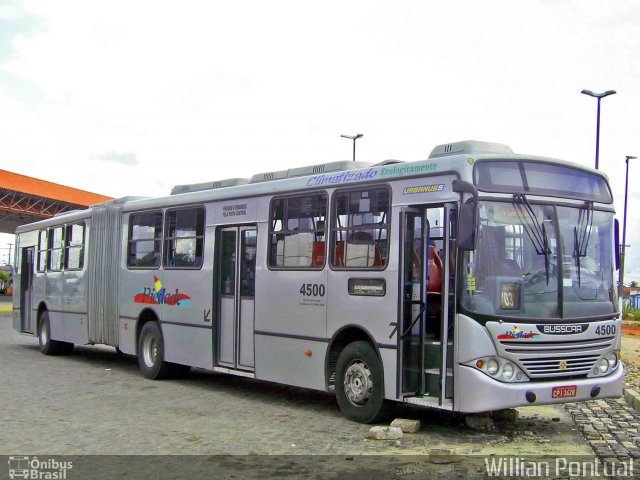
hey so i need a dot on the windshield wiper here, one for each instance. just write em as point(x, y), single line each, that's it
point(535, 230)
point(582, 234)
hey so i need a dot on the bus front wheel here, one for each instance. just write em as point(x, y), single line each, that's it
point(359, 383)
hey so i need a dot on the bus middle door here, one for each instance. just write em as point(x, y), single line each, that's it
point(236, 296)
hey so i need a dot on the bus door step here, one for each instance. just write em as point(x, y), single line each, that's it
point(429, 401)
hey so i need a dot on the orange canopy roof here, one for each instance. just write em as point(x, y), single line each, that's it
point(42, 188)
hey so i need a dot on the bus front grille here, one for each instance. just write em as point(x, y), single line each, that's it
point(543, 367)
point(547, 359)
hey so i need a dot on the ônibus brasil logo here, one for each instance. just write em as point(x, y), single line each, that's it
point(34, 468)
point(159, 295)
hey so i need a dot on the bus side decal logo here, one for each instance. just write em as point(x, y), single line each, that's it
point(517, 333)
point(423, 189)
point(158, 295)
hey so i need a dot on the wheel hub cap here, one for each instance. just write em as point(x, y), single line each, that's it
point(150, 351)
point(357, 383)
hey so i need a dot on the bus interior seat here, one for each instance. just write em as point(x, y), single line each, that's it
point(362, 250)
point(295, 250)
point(435, 271)
point(317, 255)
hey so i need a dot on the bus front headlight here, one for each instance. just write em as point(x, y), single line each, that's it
point(493, 366)
point(507, 370)
point(604, 365)
point(613, 360)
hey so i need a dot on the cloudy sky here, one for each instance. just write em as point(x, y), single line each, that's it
point(132, 97)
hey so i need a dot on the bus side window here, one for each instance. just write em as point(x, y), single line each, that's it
point(360, 229)
point(297, 231)
point(184, 238)
point(145, 240)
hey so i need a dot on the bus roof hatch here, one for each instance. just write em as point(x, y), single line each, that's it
point(470, 147)
point(197, 187)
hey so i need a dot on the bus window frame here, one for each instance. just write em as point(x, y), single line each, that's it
point(51, 248)
point(155, 239)
point(334, 228)
point(44, 251)
point(68, 247)
point(166, 239)
point(271, 263)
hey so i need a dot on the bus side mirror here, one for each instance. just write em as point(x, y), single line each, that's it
point(616, 242)
point(467, 225)
point(468, 216)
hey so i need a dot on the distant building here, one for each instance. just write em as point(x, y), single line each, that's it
point(631, 297)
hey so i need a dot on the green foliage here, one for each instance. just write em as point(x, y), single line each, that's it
point(5, 276)
point(630, 312)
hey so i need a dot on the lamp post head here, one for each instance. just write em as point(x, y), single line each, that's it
point(629, 157)
point(353, 137)
point(598, 95)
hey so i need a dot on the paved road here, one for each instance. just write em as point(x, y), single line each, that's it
point(96, 402)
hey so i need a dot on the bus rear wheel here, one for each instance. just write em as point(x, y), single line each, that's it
point(48, 346)
point(360, 384)
point(151, 355)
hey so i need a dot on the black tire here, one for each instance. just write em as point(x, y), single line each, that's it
point(360, 383)
point(151, 355)
point(67, 348)
point(48, 346)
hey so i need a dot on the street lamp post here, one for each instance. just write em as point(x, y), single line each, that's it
point(599, 96)
point(623, 249)
point(354, 138)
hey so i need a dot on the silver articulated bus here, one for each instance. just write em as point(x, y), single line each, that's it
point(475, 280)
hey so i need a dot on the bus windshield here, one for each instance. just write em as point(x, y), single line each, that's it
point(526, 251)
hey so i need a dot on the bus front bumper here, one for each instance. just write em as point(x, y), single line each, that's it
point(477, 392)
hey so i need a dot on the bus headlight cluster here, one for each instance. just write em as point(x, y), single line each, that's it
point(500, 369)
point(607, 363)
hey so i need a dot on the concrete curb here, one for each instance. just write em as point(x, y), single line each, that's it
point(633, 398)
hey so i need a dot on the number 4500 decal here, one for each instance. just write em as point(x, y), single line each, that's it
point(312, 290)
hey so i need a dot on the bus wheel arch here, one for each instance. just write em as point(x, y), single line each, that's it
point(147, 315)
point(48, 346)
point(150, 349)
point(354, 367)
point(41, 309)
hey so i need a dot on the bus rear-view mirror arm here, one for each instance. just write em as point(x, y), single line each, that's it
point(468, 216)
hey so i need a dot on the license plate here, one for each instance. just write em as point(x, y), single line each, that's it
point(565, 391)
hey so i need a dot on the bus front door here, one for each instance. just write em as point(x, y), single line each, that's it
point(236, 296)
point(425, 316)
point(26, 289)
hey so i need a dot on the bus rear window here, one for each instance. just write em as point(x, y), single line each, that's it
point(540, 178)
